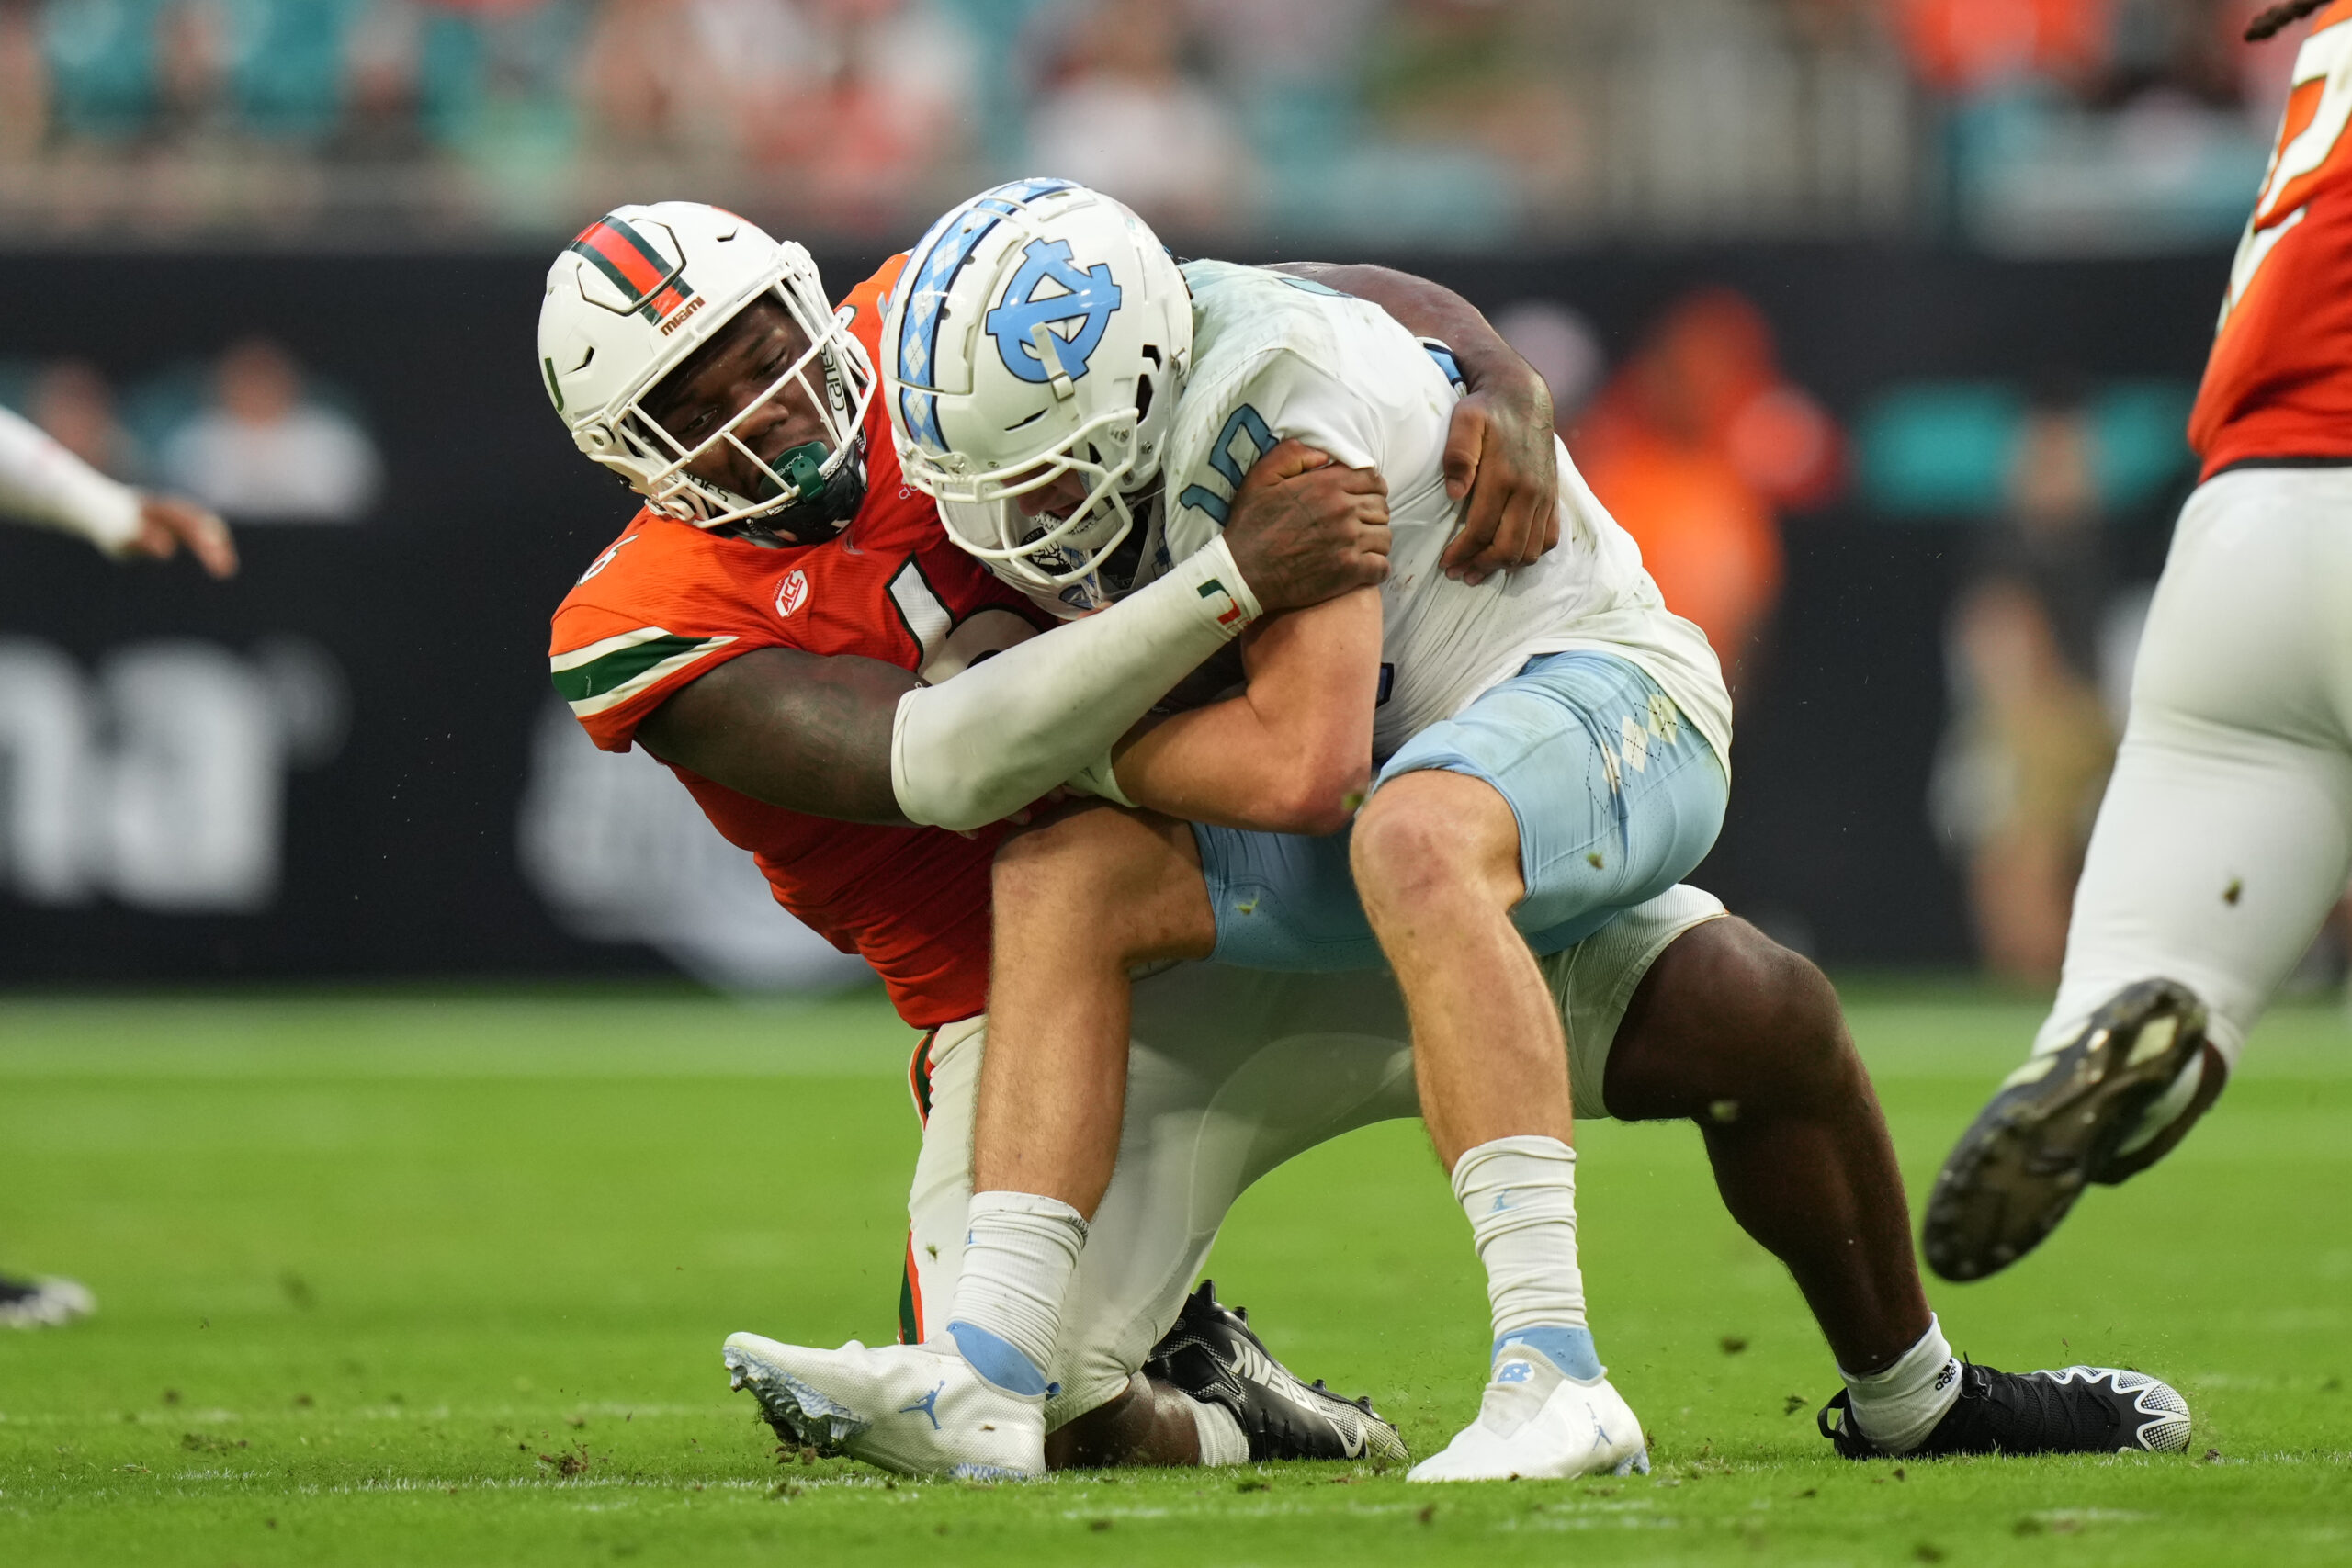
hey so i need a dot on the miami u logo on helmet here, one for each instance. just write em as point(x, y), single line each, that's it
point(1024, 319)
point(653, 286)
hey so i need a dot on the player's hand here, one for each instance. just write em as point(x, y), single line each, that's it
point(1498, 453)
point(165, 523)
point(1304, 529)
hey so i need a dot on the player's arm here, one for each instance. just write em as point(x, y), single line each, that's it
point(44, 484)
point(1499, 450)
point(862, 740)
point(1292, 753)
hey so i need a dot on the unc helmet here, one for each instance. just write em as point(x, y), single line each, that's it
point(634, 297)
point(1040, 329)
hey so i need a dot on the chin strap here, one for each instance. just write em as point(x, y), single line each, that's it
point(827, 502)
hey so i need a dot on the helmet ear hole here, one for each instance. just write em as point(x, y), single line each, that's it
point(1143, 396)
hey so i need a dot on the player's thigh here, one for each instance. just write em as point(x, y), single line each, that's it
point(1593, 983)
point(2217, 854)
point(2226, 830)
point(1616, 797)
point(2251, 622)
point(1284, 902)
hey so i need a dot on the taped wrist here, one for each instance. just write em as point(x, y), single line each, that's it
point(977, 748)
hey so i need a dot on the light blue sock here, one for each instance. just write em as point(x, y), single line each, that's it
point(1570, 1349)
point(1000, 1362)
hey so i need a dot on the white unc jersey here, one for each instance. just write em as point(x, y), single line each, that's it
point(1276, 357)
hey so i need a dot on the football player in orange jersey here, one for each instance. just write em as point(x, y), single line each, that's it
point(2225, 836)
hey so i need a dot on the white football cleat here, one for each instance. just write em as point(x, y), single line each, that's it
point(1538, 1424)
point(910, 1408)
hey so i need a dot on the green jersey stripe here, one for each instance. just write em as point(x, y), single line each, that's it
point(614, 677)
point(596, 650)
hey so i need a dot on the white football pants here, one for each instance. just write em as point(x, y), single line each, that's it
point(2227, 832)
point(1231, 1072)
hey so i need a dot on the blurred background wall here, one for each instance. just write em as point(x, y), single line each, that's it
point(1876, 321)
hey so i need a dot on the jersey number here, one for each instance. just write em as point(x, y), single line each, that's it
point(2326, 59)
point(949, 646)
point(1245, 421)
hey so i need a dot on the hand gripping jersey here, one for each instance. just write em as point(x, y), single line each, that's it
point(2280, 381)
point(668, 603)
point(1276, 356)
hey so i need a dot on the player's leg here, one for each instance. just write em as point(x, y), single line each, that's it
point(2222, 841)
point(1005, 1261)
point(1731, 1030)
point(1673, 1012)
point(1563, 795)
point(1078, 904)
point(909, 1407)
point(1233, 1071)
point(1121, 1419)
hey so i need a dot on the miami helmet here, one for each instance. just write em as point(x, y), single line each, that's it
point(1039, 330)
point(634, 297)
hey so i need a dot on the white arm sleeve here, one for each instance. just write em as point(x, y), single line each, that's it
point(41, 482)
point(974, 750)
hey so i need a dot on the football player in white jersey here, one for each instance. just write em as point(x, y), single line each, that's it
point(43, 484)
point(1550, 761)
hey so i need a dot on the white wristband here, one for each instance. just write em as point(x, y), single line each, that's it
point(1220, 574)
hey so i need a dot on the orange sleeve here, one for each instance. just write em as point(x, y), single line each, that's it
point(646, 621)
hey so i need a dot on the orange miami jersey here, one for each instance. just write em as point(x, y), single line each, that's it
point(668, 603)
point(2280, 381)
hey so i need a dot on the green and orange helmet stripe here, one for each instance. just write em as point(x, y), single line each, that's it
point(654, 286)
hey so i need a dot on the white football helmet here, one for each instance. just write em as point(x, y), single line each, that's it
point(1040, 329)
point(639, 291)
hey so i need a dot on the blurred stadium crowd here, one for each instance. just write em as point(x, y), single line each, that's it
point(2034, 126)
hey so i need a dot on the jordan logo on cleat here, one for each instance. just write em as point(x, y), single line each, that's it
point(927, 1404)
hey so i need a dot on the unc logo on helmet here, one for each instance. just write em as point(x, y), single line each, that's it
point(1023, 321)
point(1045, 337)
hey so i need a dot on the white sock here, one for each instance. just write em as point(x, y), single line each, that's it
point(1019, 1250)
point(1897, 1409)
point(1520, 1194)
point(1222, 1441)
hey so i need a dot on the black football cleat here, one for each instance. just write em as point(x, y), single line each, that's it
point(2077, 1410)
point(42, 1303)
point(2055, 1126)
point(1211, 1355)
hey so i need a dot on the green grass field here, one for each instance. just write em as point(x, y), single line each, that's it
point(443, 1279)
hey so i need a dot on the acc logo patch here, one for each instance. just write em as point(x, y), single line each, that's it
point(792, 595)
point(1086, 295)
